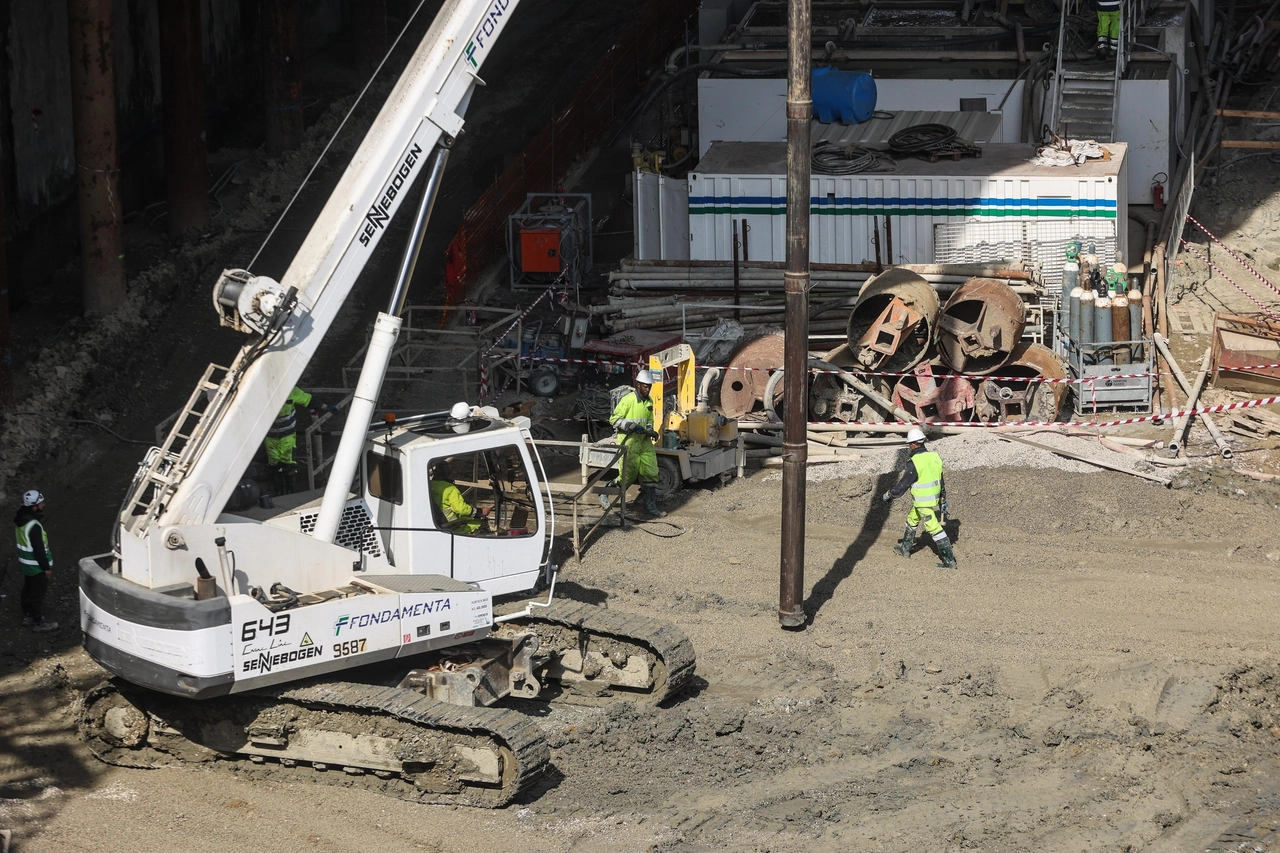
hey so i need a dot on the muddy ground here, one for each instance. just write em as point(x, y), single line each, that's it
point(1101, 676)
point(1100, 673)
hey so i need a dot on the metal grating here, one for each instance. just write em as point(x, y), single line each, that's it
point(1041, 241)
point(355, 530)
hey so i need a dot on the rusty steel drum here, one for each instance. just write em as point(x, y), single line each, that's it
point(935, 397)
point(980, 325)
point(891, 326)
point(1001, 399)
point(747, 374)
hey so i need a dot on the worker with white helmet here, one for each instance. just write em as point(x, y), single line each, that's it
point(35, 559)
point(633, 419)
point(923, 476)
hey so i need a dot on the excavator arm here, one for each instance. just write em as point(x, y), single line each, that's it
point(190, 478)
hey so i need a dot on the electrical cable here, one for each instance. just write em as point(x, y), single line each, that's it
point(828, 158)
point(81, 421)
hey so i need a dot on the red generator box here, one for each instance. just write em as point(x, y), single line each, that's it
point(540, 250)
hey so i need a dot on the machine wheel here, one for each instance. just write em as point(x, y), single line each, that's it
point(669, 479)
point(545, 382)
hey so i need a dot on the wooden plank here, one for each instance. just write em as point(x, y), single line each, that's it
point(1246, 114)
point(1248, 143)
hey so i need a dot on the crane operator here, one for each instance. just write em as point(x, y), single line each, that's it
point(459, 516)
point(633, 419)
point(923, 476)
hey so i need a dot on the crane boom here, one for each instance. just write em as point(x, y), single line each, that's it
point(425, 109)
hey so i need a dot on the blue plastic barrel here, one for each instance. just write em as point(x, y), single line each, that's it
point(845, 96)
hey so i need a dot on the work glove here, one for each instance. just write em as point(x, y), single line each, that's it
point(943, 507)
point(885, 497)
point(652, 433)
point(333, 410)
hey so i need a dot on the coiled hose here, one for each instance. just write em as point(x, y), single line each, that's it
point(831, 159)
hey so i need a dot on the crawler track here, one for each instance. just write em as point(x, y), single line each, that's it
point(385, 739)
point(567, 625)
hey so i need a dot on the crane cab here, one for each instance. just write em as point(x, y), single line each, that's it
point(464, 503)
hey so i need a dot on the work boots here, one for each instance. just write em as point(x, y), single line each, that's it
point(650, 496)
point(908, 539)
point(281, 482)
point(946, 555)
point(290, 480)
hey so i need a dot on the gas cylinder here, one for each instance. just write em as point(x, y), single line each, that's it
point(1085, 312)
point(1120, 326)
point(1135, 314)
point(1073, 313)
point(1070, 278)
point(1102, 328)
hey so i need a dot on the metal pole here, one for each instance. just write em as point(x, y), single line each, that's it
point(93, 87)
point(796, 278)
point(419, 231)
point(283, 78)
point(186, 162)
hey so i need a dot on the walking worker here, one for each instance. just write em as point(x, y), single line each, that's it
point(1108, 27)
point(282, 439)
point(459, 516)
point(35, 559)
point(633, 420)
point(923, 476)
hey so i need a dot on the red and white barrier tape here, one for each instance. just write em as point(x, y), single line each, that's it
point(1043, 379)
point(1266, 309)
point(1205, 410)
point(1259, 276)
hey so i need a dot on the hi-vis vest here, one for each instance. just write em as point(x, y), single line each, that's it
point(27, 554)
point(927, 489)
point(286, 423)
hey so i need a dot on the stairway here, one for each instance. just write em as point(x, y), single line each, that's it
point(1086, 95)
point(1086, 102)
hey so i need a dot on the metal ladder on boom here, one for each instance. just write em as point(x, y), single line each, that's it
point(158, 476)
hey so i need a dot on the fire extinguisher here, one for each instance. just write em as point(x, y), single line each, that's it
point(1157, 190)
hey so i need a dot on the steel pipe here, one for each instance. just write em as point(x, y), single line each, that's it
point(1182, 424)
point(1223, 448)
point(799, 122)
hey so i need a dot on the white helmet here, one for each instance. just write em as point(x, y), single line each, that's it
point(644, 377)
point(915, 435)
point(32, 498)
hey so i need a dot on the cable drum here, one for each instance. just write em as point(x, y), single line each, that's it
point(829, 158)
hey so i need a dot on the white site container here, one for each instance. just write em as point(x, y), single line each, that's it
point(745, 181)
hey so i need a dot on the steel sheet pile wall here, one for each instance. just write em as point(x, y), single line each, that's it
point(607, 90)
point(846, 210)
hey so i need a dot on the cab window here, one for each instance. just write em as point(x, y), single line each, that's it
point(486, 493)
point(384, 477)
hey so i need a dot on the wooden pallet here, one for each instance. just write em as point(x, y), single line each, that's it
point(1254, 423)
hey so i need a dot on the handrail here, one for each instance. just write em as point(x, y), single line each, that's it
point(591, 481)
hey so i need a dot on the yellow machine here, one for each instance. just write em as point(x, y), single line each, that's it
point(697, 443)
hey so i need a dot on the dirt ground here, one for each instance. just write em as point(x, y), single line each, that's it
point(1100, 672)
point(1101, 676)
